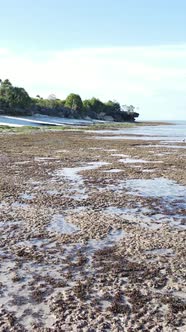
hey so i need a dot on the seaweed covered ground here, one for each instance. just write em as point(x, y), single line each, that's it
point(92, 233)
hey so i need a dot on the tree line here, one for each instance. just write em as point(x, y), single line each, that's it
point(16, 101)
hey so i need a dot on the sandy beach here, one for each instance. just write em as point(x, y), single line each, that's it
point(92, 233)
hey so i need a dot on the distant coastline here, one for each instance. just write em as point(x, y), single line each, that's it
point(15, 101)
point(20, 124)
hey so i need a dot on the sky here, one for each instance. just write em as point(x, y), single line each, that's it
point(132, 51)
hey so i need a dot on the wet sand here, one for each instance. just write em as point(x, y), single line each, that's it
point(92, 233)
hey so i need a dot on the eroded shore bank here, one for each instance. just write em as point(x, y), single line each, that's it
point(92, 233)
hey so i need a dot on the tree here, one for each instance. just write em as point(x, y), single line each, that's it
point(94, 105)
point(14, 96)
point(5, 85)
point(74, 102)
point(112, 107)
point(86, 104)
point(129, 109)
point(18, 97)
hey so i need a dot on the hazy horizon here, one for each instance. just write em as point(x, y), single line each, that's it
point(133, 52)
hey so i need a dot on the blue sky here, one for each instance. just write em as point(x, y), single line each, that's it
point(133, 51)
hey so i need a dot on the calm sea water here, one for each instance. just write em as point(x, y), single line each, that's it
point(175, 132)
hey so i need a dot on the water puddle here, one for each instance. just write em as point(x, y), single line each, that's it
point(113, 170)
point(169, 208)
point(147, 217)
point(27, 196)
point(178, 224)
point(52, 192)
point(135, 215)
point(174, 146)
point(107, 150)
point(72, 173)
point(163, 146)
point(160, 252)
point(17, 295)
point(158, 187)
point(132, 160)
point(119, 155)
point(119, 136)
point(5, 224)
point(76, 179)
point(27, 289)
point(22, 162)
point(59, 225)
point(129, 137)
point(45, 158)
point(180, 294)
point(111, 239)
point(32, 242)
point(3, 204)
point(20, 205)
point(110, 150)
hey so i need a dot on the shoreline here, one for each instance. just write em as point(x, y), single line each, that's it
point(114, 126)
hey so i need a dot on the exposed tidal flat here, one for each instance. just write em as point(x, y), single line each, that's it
point(92, 230)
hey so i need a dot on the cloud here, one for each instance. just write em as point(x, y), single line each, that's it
point(152, 78)
point(3, 52)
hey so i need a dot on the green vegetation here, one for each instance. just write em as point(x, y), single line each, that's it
point(12, 97)
point(16, 101)
point(74, 102)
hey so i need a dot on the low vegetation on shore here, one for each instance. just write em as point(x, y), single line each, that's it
point(16, 101)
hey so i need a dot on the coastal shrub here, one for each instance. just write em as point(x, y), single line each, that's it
point(16, 101)
point(74, 102)
point(13, 96)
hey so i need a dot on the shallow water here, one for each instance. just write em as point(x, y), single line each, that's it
point(180, 294)
point(174, 146)
point(113, 170)
point(152, 218)
point(72, 173)
point(55, 262)
point(27, 196)
point(111, 239)
point(20, 205)
point(174, 132)
point(177, 225)
point(76, 179)
point(52, 192)
point(163, 146)
point(119, 155)
point(16, 296)
point(161, 251)
point(59, 225)
point(142, 138)
point(158, 187)
point(132, 160)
